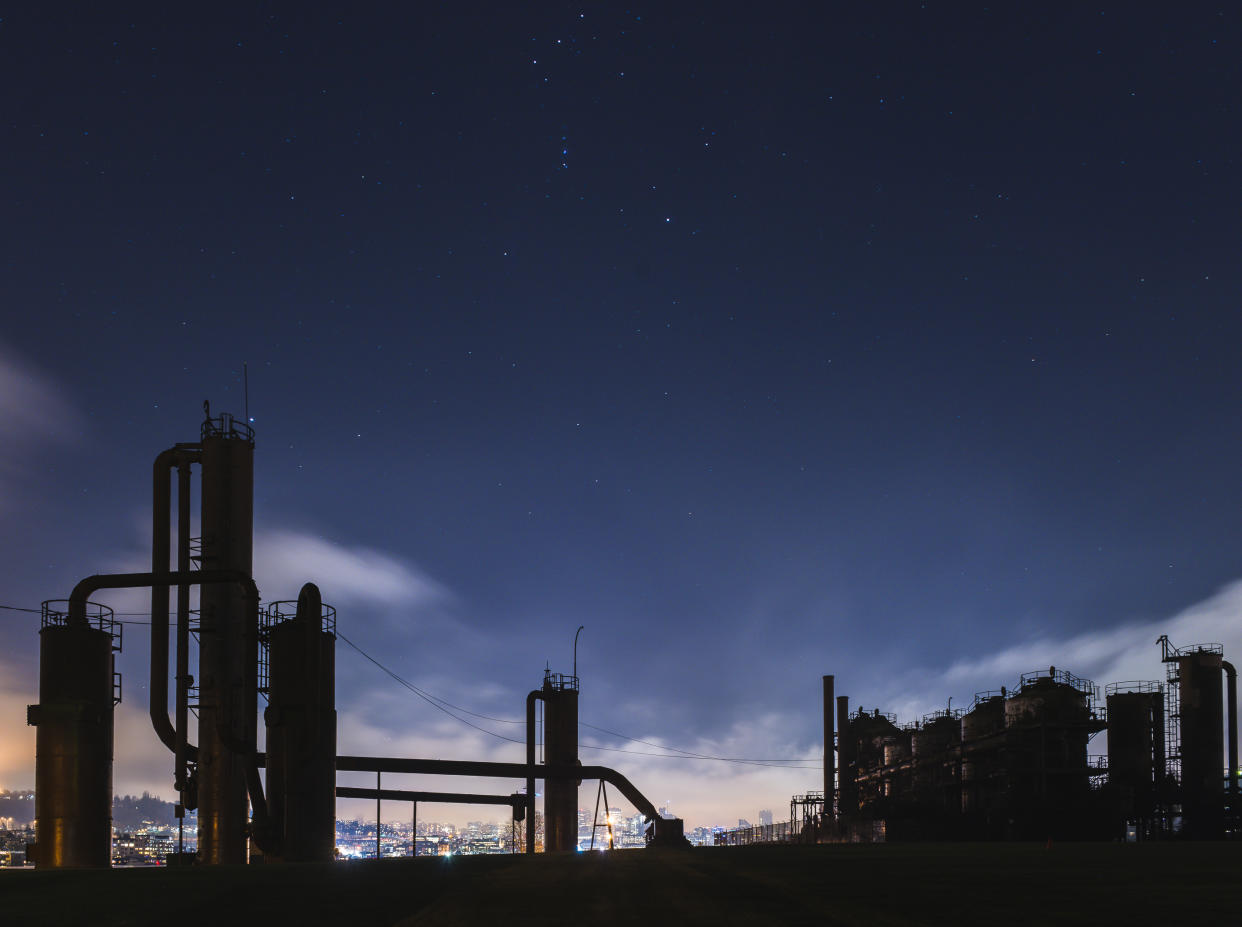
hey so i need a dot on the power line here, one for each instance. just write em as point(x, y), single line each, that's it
point(676, 754)
point(424, 695)
point(37, 611)
point(671, 753)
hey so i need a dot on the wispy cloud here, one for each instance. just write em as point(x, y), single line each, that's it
point(1122, 653)
point(347, 575)
point(34, 412)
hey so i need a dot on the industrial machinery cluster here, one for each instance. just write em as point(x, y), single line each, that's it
point(283, 652)
point(1015, 764)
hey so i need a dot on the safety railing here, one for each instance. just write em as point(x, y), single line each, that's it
point(55, 614)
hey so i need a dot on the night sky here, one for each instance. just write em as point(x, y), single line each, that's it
point(898, 341)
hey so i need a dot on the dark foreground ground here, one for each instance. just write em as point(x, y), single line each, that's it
point(994, 884)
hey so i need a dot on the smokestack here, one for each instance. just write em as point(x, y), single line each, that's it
point(830, 766)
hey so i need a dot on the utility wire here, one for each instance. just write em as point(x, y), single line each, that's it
point(672, 753)
point(424, 695)
point(676, 753)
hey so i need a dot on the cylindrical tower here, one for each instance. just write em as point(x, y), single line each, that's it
point(1202, 741)
point(869, 732)
point(936, 750)
point(228, 647)
point(1135, 727)
point(983, 740)
point(560, 733)
point(73, 752)
point(301, 727)
point(1048, 722)
point(830, 755)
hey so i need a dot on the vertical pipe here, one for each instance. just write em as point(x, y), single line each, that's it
point(530, 766)
point(377, 814)
point(830, 766)
point(183, 626)
point(847, 804)
point(414, 831)
point(1231, 706)
point(161, 525)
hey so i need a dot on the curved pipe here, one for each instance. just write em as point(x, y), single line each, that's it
point(184, 750)
point(1231, 683)
point(499, 771)
point(531, 698)
point(77, 612)
point(180, 455)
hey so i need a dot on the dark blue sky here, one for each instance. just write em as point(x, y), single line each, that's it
point(763, 341)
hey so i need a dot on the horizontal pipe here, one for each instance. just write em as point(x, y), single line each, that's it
point(92, 584)
point(451, 798)
point(484, 769)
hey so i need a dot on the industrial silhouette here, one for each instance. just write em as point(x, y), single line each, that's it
point(1015, 765)
point(286, 652)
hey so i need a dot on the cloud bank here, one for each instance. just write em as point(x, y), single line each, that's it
point(1122, 653)
point(285, 559)
point(34, 412)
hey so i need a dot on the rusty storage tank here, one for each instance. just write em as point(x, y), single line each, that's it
point(982, 738)
point(1048, 722)
point(1135, 743)
point(301, 727)
point(560, 726)
point(73, 743)
point(228, 648)
point(869, 732)
point(898, 768)
point(941, 731)
point(935, 752)
point(897, 748)
point(1202, 740)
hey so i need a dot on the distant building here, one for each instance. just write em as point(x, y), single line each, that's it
point(765, 817)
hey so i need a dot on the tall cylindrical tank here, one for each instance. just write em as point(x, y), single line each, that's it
point(1135, 719)
point(301, 728)
point(560, 726)
point(830, 755)
point(1048, 722)
point(1202, 742)
point(869, 732)
point(897, 748)
point(982, 737)
point(228, 645)
point(73, 744)
point(935, 751)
